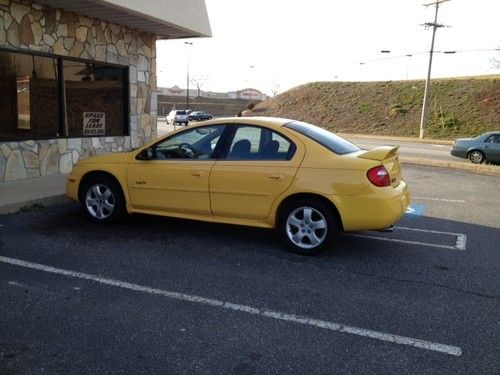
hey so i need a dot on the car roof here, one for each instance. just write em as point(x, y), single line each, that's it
point(272, 122)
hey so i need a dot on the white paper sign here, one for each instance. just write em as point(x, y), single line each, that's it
point(94, 123)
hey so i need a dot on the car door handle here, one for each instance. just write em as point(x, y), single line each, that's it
point(198, 173)
point(277, 176)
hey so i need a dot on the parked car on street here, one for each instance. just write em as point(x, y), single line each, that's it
point(199, 116)
point(177, 117)
point(303, 180)
point(484, 147)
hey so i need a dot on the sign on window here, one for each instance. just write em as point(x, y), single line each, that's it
point(94, 123)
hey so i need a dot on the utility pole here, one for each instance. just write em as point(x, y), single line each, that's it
point(187, 75)
point(435, 26)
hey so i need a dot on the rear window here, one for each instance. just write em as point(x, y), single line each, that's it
point(325, 138)
point(181, 113)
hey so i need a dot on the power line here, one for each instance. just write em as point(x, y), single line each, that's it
point(426, 52)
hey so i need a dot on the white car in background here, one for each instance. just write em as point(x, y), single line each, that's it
point(177, 117)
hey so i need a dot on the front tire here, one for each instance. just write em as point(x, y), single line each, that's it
point(476, 157)
point(307, 226)
point(102, 200)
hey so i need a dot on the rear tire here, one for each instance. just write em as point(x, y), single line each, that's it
point(307, 226)
point(476, 157)
point(102, 200)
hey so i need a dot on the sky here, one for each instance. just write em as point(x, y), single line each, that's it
point(274, 45)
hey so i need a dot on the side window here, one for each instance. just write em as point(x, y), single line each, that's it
point(255, 143)
point(197, 143)
point(495, 138)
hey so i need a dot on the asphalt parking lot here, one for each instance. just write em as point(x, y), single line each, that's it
point(162, 295)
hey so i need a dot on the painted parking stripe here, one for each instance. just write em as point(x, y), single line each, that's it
point(331, 326)
point(460, 238)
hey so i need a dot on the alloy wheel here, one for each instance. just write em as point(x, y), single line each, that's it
point(476, 157)
point(100, 201)
point(306, 227)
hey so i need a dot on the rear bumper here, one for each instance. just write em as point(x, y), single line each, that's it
point(373, 209)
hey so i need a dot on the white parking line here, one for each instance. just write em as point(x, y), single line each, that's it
point(460, 240)
point(331, 326)
point(439, 199)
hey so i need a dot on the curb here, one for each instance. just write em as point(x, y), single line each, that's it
point(491, 170)
point(32, 204)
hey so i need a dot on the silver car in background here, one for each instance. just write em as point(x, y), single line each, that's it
point(177, 117)
point(484, 147)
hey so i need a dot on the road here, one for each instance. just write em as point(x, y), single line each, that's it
point(159, 295)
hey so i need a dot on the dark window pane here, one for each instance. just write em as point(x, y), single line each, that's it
point(325, 138)
point(29, 104)
point(197, 143)
point(256, 143)
point(94, 99)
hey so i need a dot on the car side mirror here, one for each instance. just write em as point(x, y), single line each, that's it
point(146, 154)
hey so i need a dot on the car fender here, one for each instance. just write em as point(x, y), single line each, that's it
point(118, 170)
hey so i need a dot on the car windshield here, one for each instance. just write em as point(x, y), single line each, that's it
point(181, 112)
point(325, 138)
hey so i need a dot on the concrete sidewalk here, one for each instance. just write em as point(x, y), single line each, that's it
point(16, 195)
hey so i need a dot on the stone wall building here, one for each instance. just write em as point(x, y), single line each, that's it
point(78, 78)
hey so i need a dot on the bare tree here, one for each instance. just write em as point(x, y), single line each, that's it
point(199, 82)
point(495, 61)
point(275, 88)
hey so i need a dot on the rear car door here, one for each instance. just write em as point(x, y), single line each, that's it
point(492, 148)
point(258, 166)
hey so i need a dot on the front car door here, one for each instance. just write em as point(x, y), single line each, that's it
point(259, 165)
point(172, 176)
point(492, 148)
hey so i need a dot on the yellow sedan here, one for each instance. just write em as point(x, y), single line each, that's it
point(305, 181)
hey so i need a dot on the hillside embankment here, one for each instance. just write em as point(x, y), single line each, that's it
point(457, 107)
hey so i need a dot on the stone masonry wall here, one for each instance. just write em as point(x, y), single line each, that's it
point(27, 26)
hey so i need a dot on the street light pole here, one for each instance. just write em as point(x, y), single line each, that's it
point(187, 75)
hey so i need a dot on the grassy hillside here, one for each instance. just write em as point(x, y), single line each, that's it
point(457, 107)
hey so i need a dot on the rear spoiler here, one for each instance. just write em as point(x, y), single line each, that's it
point(380, 153)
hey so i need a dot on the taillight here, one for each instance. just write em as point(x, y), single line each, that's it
point(379, 176)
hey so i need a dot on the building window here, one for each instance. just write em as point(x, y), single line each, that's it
point(29, 99)
point(51, 97)
point(94, 96)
